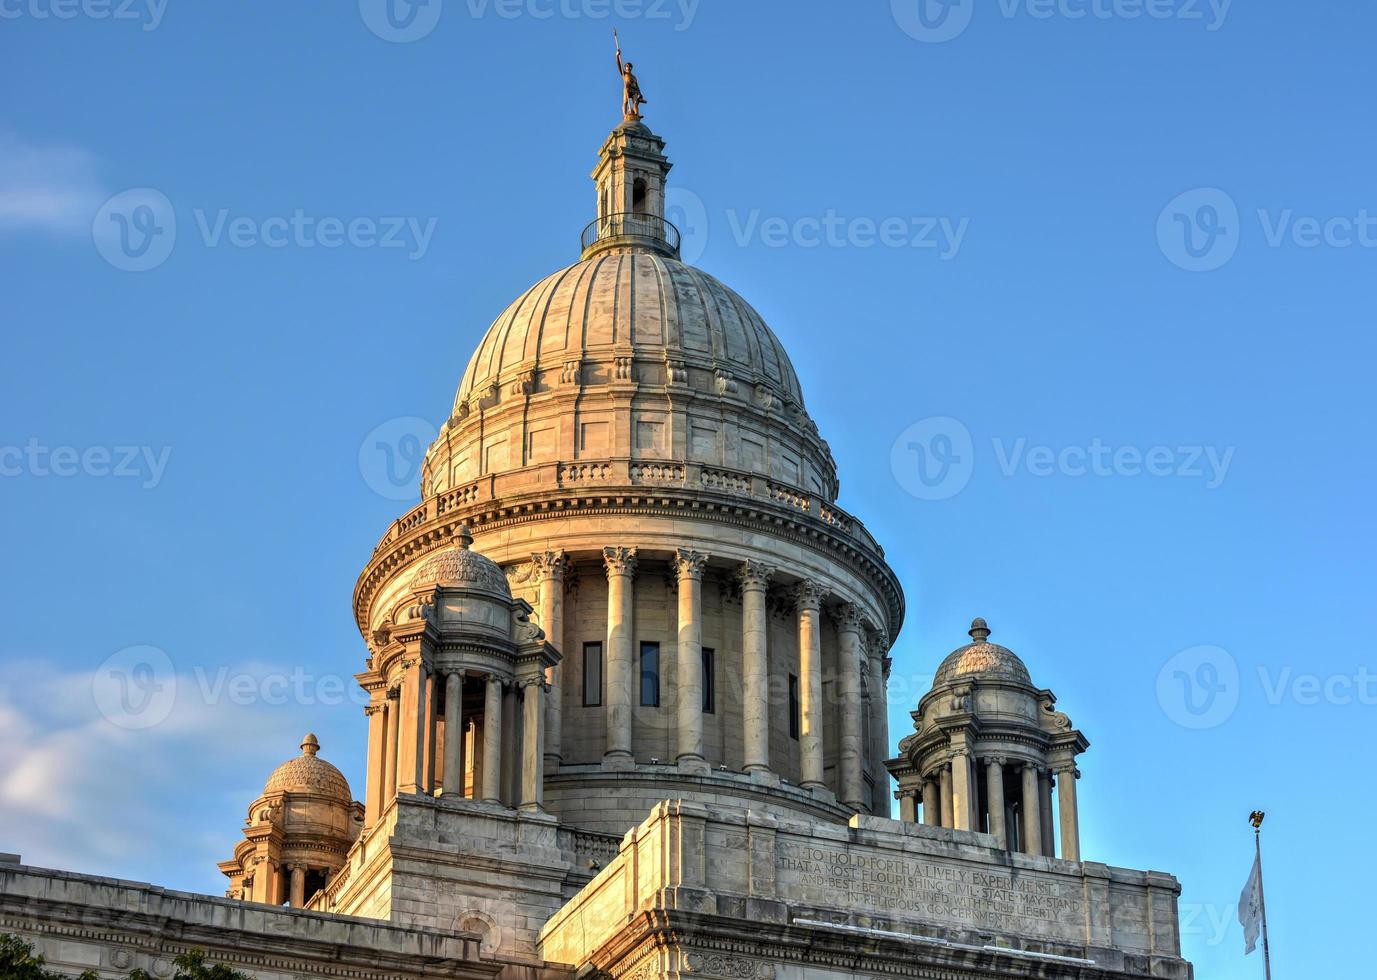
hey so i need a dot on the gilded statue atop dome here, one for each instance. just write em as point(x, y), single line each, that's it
point(632, 100)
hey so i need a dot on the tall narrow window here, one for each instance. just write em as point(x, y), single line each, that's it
point(650, 675)
point(709, 688)
point(592, 675)
point(794, 723)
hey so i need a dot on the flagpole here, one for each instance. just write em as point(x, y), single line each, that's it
point(1256, 820)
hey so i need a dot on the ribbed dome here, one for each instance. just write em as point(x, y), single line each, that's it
point(308, 773)
point(637, 300)
point(982, 659)
point(462, 567)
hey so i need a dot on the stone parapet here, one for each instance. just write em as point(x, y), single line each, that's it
point(111, 926)
point(905, 898)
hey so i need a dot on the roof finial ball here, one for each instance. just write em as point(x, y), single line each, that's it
point(980, 630)
point(310, 745)
point(463, 537)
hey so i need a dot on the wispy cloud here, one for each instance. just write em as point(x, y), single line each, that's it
point(51, 188)
point(81, 793)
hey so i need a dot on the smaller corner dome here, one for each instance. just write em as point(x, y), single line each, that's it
point(981, 658)
point(459, 565)
point(308, 773)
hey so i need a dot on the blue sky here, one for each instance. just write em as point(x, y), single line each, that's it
point(1101, 380)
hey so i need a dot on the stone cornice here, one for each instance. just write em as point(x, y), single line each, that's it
point(796, 517)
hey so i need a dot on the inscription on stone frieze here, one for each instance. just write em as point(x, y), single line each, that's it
point(993, 899)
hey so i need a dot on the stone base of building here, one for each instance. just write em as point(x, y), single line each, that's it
point(740, 896)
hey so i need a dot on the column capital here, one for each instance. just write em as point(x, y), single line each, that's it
point(997, 760)
point(370, 710)
point(755, 574)
point(1065, 769)
point(808, 594)
point(549, 565)
point(849, 618)
point(619, 561)
point(689, 564)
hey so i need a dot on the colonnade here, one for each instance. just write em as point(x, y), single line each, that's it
point(403, 738)
point(755, 578)
point(949, 796)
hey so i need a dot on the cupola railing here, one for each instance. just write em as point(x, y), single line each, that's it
point(631, 228)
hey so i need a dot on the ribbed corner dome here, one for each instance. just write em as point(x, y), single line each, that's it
point(630, 300)
point(981, 658)
point(461, 566)
point(308, 773)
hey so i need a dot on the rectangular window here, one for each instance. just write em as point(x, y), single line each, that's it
point(794, 724)
point(709, 688)
point(592, 675)
point(650, 675)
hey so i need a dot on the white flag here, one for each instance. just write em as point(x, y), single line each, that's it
point(1250, 907)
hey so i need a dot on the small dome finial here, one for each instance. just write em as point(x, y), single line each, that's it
point(463, 536)
point(310, 745)
point(979, 630)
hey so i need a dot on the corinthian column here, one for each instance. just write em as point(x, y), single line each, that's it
point(492, 740)
point(809, 596)
point(852, 751)
point(1032, 811)
point(932, 803)
point(1067, 808)
point(550, 567)
point(453, 769)
point(875, 645)
point(621, 571)
point(755, 580)
point(532, 751)
point(962, 791)
point(411, 749)
point(689, 657)
point(377, 766)
point(391, 718)
point(994, 792)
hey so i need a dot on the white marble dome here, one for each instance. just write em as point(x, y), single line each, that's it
point(638, 300)
point(630, 354)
